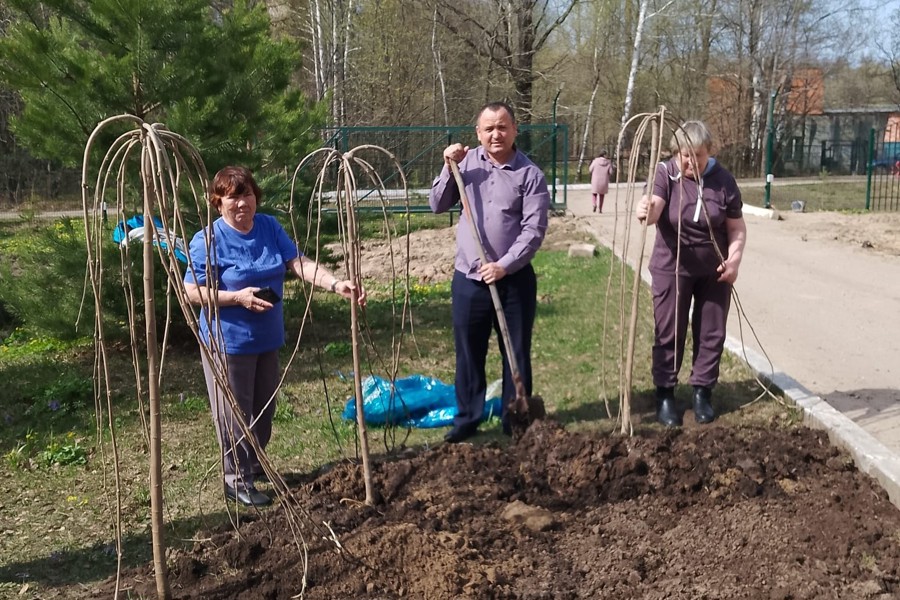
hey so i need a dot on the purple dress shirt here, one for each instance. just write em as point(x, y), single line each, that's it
point(509, 205)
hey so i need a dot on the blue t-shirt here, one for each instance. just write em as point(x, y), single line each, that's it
point(242, 260)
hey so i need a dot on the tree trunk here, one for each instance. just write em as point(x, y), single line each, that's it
point(353, 274)
point(587, 126)
point(315, 13)
point(635, 59)
point(757, 108)
point(523, 62)
point(439, 69)
point(589, 122)
point(341, 68)
point(156, 493)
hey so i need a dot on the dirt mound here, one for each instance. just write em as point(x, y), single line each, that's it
point(875, 232)
point(431, 252)
point(712, 512)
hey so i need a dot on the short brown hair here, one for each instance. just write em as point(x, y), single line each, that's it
point(232, 181)
point(496, 106)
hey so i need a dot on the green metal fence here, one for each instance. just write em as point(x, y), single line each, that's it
point(883, 171)
point(420, 152)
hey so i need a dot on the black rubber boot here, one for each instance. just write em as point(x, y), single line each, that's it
point(703, 410)
point(666, 407)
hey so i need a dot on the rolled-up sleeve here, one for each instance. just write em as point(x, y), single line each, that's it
point(196, 271)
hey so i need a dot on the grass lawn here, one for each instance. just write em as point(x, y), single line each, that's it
point(58, 490)
point(822, 195)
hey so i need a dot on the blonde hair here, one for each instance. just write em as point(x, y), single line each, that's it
point(691, 134)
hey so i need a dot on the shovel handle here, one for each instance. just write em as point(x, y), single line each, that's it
point(495, 295)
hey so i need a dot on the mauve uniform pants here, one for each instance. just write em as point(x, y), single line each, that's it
point(473, 319)
point(712, 300)
point(252, 379)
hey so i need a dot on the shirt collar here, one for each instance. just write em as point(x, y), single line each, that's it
point(509, 164)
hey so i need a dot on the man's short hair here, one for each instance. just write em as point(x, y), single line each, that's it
point(495, 106)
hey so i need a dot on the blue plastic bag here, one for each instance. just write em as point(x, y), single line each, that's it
point(416, 401)
point(133, 230)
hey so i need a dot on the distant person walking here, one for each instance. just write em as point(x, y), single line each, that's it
point(601, 169)
point(697, 209)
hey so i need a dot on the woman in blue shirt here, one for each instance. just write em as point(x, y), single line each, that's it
point(236, 274)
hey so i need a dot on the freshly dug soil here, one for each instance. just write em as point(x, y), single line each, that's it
point(700, 513)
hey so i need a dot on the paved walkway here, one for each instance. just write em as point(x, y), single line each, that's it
point(827, 318)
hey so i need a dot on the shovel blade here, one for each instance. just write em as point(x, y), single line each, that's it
point(524, 411)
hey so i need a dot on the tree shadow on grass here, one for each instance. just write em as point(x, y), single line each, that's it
point(89, 566)
point(97, 562)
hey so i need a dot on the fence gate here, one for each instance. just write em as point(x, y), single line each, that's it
point(883, 173)
point(420, 150)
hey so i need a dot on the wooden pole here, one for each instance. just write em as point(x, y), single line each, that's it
point(353, 274)
point(163, 591)
point(656, 135)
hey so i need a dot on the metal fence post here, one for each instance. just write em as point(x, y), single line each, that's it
point(770, 142)
point(870, 168)
point(553, 148)
point(565, 146)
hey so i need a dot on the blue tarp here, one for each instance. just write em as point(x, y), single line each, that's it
point(133, 230)
point(417, 401)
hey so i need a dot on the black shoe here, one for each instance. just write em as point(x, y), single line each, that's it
point(248, 496)
point(667, 408)
point(460, 433)
point(703, 410)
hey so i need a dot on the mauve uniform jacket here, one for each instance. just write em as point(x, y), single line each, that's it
point(600, 171)
point(722, 199)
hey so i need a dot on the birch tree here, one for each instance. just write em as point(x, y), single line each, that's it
point(595, 62)
point(439, 70)
point(761, 45)
point(644, 15)
point(325, 28)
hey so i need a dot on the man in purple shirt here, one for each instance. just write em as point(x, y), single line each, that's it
point(509, 201)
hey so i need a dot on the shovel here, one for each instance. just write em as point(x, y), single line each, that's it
point(523, 409)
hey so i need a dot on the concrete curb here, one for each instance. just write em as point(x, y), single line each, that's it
point(766, 213)
point(870, 456)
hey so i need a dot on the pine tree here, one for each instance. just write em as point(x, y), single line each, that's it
point(217, 77)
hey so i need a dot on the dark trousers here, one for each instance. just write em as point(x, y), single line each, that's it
point(473, 319)
point(712, 300)
point(252, 378)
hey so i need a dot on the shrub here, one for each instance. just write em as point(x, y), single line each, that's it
point(63, 452)
point(44, 285)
